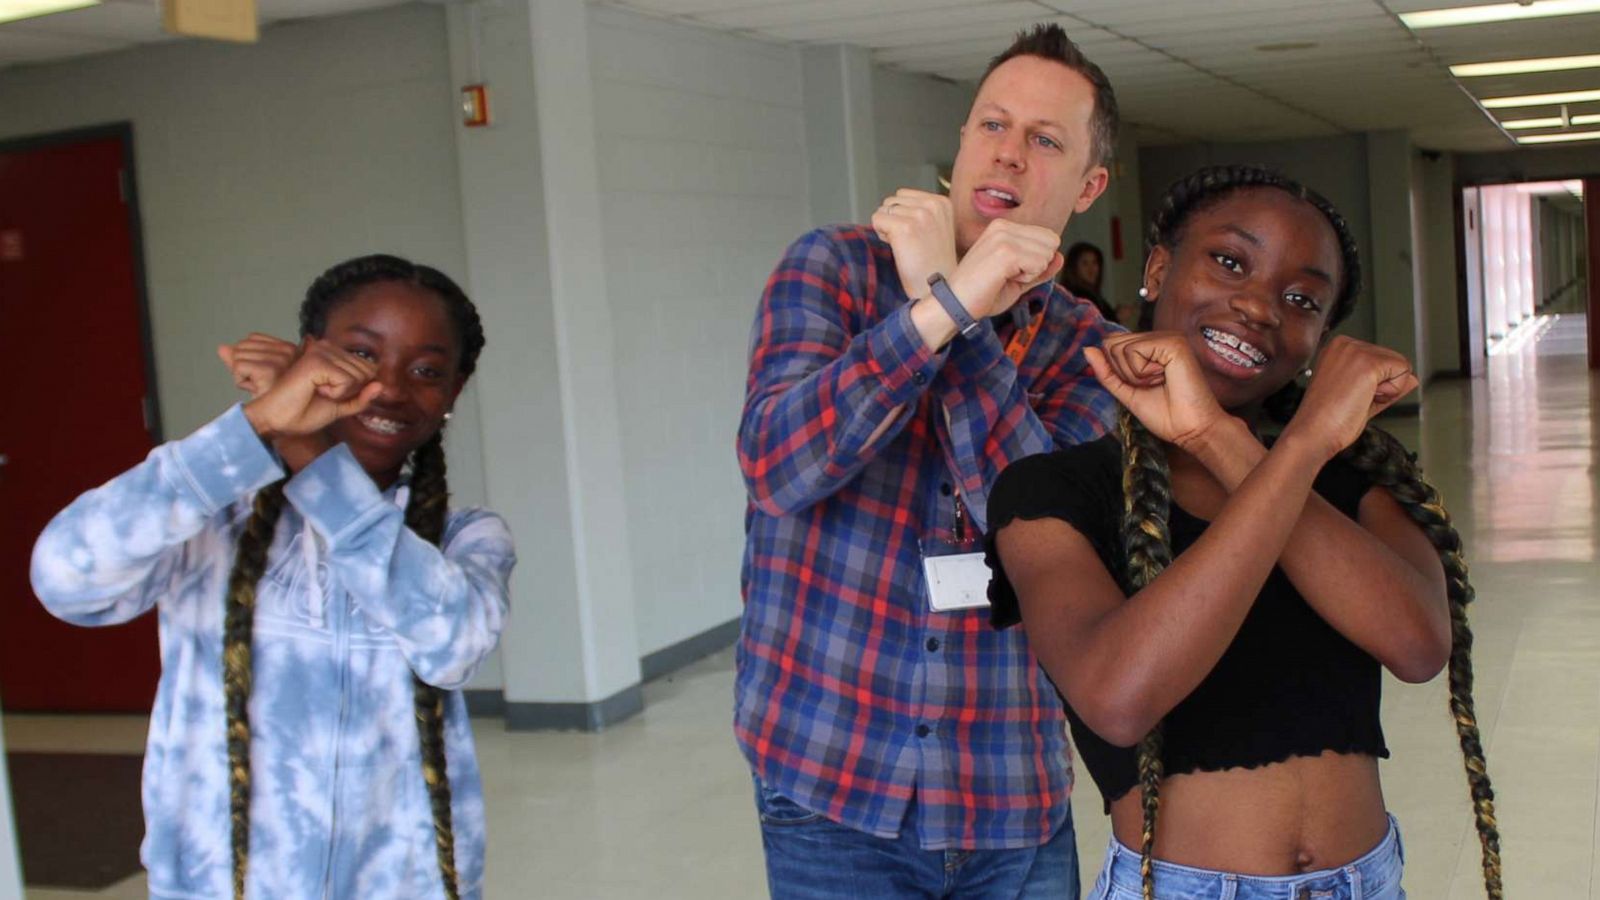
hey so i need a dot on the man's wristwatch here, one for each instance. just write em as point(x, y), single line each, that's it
point(965, 323)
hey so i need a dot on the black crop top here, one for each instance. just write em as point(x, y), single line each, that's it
point(1288, 685)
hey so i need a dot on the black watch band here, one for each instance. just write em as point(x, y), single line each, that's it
point(965, 323)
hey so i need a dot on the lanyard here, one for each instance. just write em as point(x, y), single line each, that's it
point(960, 528)
point(1027, 329)
point(1022, 338)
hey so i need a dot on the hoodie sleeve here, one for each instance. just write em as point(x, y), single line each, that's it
point(445, 606)
point(117, 549)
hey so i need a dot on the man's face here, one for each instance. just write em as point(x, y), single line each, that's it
point(1026, 152)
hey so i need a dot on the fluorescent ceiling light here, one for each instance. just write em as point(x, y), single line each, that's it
point(1547, 188)
point(12, 10)
point(1525, 66)
point(1559, 138)
point(1551, 122)
point(1496, 12)
point(1541, 99)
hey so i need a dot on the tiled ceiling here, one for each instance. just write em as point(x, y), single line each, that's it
point(1184, 70)
point(1217, 70)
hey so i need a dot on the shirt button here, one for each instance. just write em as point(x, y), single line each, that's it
point(933, 644)
point(923, 730)
point(919, 378)
point(945, 488)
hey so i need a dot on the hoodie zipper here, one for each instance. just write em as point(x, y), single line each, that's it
point(336, 604)
point(341, 651)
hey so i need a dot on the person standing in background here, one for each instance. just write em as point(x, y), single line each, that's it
point(1083, 274)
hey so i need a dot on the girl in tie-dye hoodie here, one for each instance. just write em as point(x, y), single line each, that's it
point(319, 607)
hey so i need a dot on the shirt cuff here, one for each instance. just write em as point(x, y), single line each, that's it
point(225, 459)
point(334, 493)
point(902, 357)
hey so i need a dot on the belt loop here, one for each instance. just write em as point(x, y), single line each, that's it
point(1230, 887)
point(1356, 890)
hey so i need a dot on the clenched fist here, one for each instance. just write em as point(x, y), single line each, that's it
point(1155, 375)
point(1353, 382)
point(1008, 260)
point(258, 361)
point(920, 228)
point(324, 385)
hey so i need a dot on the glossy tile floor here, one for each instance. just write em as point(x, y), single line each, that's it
point(660, 806)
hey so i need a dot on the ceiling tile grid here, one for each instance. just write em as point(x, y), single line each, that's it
point(1184, 70)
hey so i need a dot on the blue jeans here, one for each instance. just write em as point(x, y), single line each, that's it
point(1374, 876)
point(810, 857)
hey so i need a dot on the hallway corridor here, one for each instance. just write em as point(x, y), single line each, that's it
point(1515, 457)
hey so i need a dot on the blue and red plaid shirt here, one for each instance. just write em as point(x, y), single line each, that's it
point(852, 695)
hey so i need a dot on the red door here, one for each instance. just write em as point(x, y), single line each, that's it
point(72, 409)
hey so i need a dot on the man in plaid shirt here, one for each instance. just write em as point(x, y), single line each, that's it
point(899, 750)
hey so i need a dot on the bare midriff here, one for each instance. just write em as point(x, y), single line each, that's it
point(1301, 815)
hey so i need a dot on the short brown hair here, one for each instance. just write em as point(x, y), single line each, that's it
point(1051, 42)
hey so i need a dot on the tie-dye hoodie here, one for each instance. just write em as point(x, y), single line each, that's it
point(338, 807)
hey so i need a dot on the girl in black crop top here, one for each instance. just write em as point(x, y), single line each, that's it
point(1215, 610)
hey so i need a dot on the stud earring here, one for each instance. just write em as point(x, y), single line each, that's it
point(1307, 372)
point(447, 417)
point(1144, 293)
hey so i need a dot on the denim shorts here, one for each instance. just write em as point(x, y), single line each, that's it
point(1374, 876)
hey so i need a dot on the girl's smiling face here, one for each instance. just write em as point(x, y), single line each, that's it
point(406, 331)
point(1250, 282)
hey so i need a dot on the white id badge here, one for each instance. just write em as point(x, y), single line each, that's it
point(958, 581)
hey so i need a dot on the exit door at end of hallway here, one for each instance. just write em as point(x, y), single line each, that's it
point(74, 401)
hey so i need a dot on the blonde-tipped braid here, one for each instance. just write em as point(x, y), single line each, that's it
point(249, 563)
point(1385, 462)
point(425, 515)
point(1147, 550)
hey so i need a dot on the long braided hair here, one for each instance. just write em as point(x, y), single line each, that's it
point(425, 515)
point(1147, 493)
